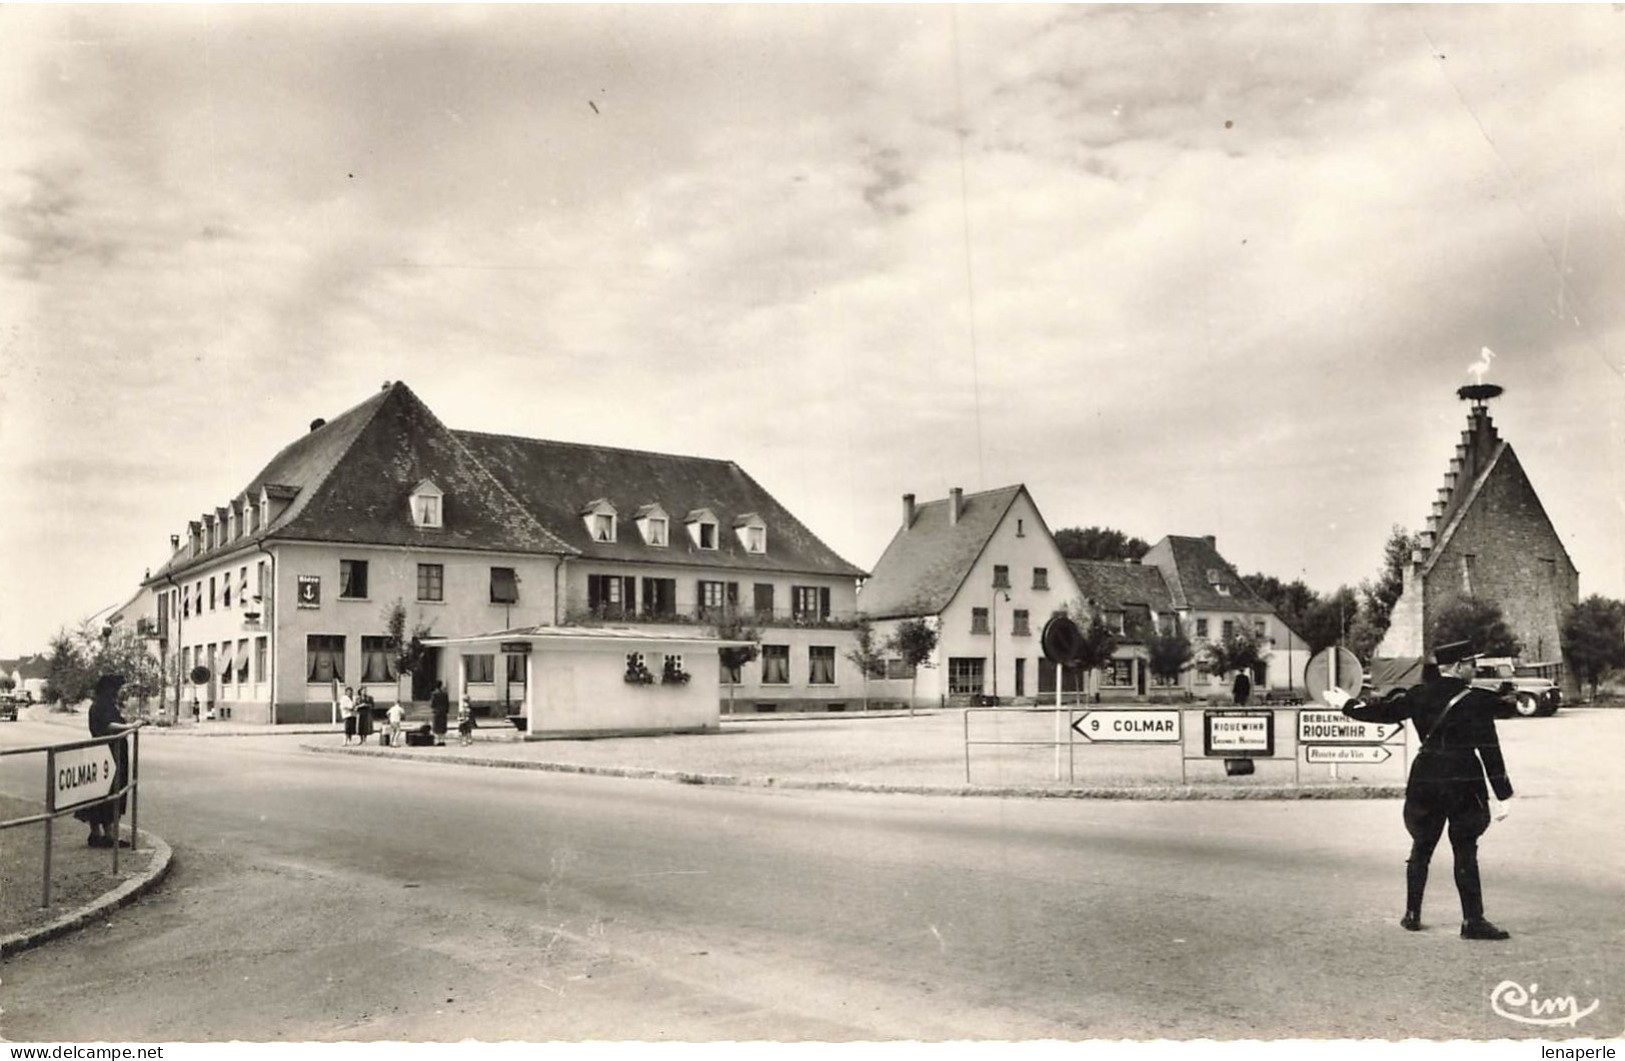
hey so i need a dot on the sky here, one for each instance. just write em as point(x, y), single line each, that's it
point(1178, 269)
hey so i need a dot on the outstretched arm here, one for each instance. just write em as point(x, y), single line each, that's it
point(1395, 707)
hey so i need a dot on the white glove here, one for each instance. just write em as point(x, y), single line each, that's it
point(1502, 809)
point(1336, 697)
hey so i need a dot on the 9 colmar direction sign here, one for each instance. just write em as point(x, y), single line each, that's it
point(81, 775)
point(1129, 727)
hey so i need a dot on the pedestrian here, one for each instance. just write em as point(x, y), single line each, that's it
point(465, 722)
point(1242, 689)
point(347, 712)
point(105, 721)
point(396, 714)
point(440, 705)
point(363, 716)
point(1457, 746)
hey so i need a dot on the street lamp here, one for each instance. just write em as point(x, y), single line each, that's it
point(996, 595)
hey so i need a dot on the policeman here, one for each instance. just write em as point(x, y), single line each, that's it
point(1455, 726)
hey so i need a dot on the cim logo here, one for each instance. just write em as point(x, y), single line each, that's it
point(1512, 1001)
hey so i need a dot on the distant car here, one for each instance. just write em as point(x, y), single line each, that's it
point(8, 709)
point(1531, 696)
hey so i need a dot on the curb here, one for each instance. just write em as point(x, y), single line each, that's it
point(123, 895)
point(1165, 793)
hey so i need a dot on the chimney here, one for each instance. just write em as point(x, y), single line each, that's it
point(908, 511)
point(316, 423)
point(956, 504)
point(1212, 542)
point(174, 542)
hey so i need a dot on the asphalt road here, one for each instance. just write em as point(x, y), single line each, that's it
point(320, 897)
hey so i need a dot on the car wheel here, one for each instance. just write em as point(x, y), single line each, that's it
point(1548, 709)
point(1527, 705)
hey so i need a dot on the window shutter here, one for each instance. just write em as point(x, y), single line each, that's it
point(823, 602)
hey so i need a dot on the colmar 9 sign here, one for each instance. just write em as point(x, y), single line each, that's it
point(80, 775)
point(1128, 727)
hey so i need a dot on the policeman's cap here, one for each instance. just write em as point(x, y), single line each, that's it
point(1454, 653)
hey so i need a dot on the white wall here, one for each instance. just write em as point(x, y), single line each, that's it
point(1021, 552)
point(582, 689)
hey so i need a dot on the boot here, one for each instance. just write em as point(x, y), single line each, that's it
point(1416, 882)
point(1473, 924)
point(1482, 929)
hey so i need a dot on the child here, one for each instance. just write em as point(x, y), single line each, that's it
point(396, 714)
point(465, 723)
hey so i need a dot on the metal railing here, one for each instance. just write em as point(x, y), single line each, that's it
point(1062, 714)
point(68, 775)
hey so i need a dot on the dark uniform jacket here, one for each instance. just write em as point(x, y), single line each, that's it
point(1447, 760)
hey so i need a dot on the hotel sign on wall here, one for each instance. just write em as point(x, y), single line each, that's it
point(310, 591)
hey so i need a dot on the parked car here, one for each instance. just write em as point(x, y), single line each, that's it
point(1530, 695)
point(8, 708)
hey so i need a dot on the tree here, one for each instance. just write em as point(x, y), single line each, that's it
point(68, 677)
point(1099, 642)
point(1239, 651)
point(731, 627)
point(408, 649)
point(1379, 597)
point(1292, 601)
point(914, 640)
point(1465, 618)
point(1594, 640)
point(77, 659)
point(1328, 619)
point(1098, 543)
point(867, 655)
point(1167, 653)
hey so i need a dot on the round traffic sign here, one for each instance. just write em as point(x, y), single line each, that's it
point(1333, 666)
point(1062, 641)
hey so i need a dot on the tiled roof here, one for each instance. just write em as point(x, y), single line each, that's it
point(557, 480)
point(352, 479)
point(925, 564)
point(1116, 585)
point(1186, 563)
point(34, 667)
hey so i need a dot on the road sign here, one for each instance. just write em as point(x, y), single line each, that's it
point(81, 775)
point(1346, 753)
point(1334, 727)
point(1128, 727)
point(1062, 641)
point(1333, 666)
point(1238, 733)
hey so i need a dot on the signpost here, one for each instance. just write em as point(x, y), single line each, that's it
point(1238, 733)
point(1334, 727)
point(1346, 753)
point(1062, 643)
point(81, 775)
point(1333, 666)
point(1128, 726)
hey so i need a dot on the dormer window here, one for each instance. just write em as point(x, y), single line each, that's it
point(600, 517)
point(702, 528)
point(655, 526)
point(428, 506)
point(752, 532)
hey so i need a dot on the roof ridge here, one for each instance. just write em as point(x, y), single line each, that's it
point(591, 445)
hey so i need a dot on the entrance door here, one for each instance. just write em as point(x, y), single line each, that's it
point(1021, 677)
point(426, 675)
